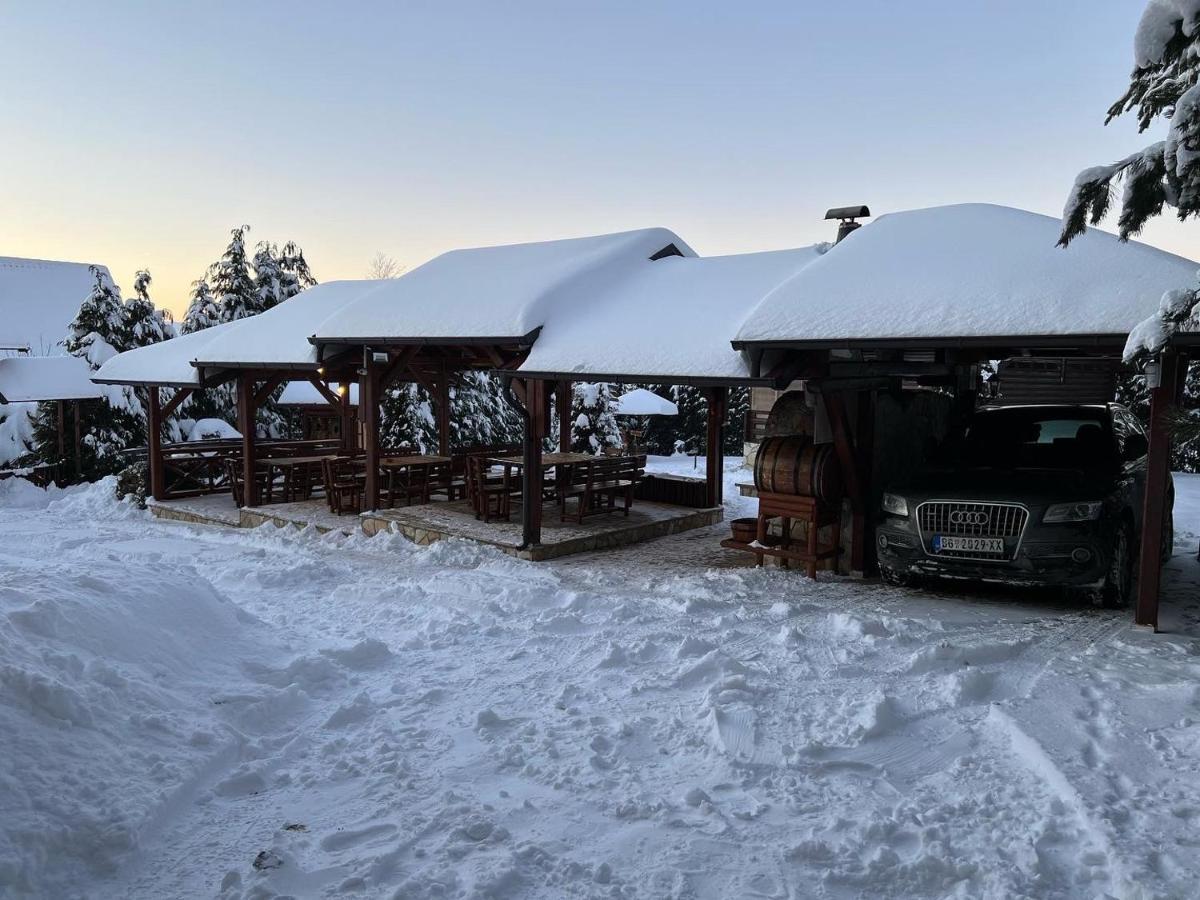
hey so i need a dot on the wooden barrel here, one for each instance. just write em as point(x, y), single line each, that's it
point(793, 464)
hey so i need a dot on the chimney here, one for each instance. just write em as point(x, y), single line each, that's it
point(846, 216)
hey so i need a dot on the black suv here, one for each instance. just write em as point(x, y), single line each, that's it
point(1048, 495)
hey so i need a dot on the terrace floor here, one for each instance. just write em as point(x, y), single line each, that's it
point(426, 523)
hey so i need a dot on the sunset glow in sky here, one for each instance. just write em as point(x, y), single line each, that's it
point(138, 134)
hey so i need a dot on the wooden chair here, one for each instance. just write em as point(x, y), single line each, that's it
point(489, 490)
point(439, 480)
point(233, 471)
point(345, 482)
point(596, 485)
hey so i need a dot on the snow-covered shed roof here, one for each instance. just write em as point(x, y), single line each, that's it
point(668, 319)
point(492, 294)
point(38, 300)
point(302, 393)
point(641, 402)
point(165, 363)
point(965, 272)
point(25, 379)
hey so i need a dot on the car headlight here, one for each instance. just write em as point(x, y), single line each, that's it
point(895, 504)
point(1085, 511)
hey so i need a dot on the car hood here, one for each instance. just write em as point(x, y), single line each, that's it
point(1028, 486)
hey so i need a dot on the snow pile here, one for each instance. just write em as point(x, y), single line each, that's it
point(16, 430)
point(212, 430)
point(1157, 26)
point(200, 712)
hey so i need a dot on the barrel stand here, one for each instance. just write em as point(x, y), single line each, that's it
point(786, 507)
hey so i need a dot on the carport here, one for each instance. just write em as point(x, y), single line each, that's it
point(926, 297)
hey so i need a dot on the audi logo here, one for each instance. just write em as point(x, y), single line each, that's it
point(964, 517)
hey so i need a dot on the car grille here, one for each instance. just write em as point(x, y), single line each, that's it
point(972, 519)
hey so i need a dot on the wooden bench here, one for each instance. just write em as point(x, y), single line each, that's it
point(601, 479)
point(345, 483)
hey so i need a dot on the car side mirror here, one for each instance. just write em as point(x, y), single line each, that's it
point(1136, 447)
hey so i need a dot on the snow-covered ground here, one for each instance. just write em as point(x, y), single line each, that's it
point(363, 717)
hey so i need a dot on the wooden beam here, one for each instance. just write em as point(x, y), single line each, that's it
point(349, 431)
point(1158, 466)
point(714, 455)
point(563, 395)
point(396, 368)
point(531, 486)
point(245, 413)
point(862, 551)
point(835, 408)
point(79, 439)
point(370, 394)
point(154, 419)
point(60, 415)
point(331, 397)
point(518, 389)
point(175, 401)
point(264, 393)
point(442, 409)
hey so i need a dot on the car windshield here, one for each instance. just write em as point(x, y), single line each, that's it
point(1035, 437)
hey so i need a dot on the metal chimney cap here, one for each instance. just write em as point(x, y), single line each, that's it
point(848, 212)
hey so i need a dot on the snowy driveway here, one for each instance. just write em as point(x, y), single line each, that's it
point(385, 721)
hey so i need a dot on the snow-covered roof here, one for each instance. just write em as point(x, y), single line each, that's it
point(280, 336)
point(968, 271)
point(25, 379)
point(504, 292)
point(641, 402)
point(166, 363)
point(672, 318)
point(38, 300)
point(302, 393)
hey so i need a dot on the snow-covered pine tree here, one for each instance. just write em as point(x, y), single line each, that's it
point(735, 419)
point(1132, 392)
point(202, 309)
point(1163, 85)
point(143, 323)
point(279, 274)
point(232, 282)
point(406, 419)
point(594, 427)
point(692, 422)
point(99, 331)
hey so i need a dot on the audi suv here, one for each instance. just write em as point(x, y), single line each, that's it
point(1039, 494)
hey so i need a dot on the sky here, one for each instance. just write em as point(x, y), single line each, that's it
point(138, 134)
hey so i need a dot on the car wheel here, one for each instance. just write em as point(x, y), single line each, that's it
point(1118, 583)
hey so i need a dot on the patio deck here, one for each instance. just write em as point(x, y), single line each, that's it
point(431, 522)
point(435, 521)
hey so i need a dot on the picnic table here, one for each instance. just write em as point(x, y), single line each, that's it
point(402, 473)
point(297, 472)
point(562, 463)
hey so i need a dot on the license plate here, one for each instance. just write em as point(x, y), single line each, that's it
point(942, 542)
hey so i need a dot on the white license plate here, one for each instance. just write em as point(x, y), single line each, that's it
point(943, 542)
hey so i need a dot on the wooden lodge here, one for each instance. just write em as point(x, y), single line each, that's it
point(881, 336)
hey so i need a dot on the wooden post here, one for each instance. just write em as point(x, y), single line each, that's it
point(843, 445)
point(158, 480)
point(245, 414)
point(368, 417)
point(79, 440)
point(442, 403)
point(347, 419)
point(1158, 464)
point(562, 399)
point(531, 487)
point(862, 552)
point(62, 433)
point(714, 455)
